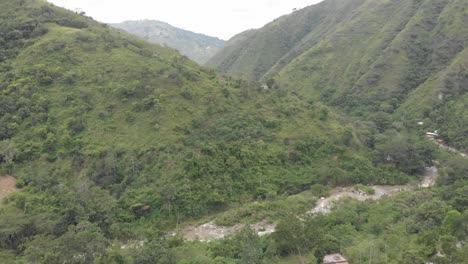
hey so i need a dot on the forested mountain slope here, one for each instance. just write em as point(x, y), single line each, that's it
point(197, 47)
point(405, 60)
point(253, 53)
point(112, 138)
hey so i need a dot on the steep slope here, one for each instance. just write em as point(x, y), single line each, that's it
point(253, 53)
point(111, 137)
point(197, 47)
point(376, 57)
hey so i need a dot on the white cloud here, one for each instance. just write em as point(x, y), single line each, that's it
point(212, 17)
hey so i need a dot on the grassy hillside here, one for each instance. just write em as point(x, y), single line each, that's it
point(112, 138)
point(253, 53)
point(376, 59)
point(197, 47)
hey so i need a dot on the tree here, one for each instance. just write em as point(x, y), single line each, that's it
point(251, 248)
point(448, 244)
point(8, 152)
point(155, 251)
point(382, 120)
point(114, 255)
point(412, 256)
point(81, 244)
point(430, 214)
point(456, 168)
point(290, 237)
point(245, 247)
point(452, 222)
point(408, 154)
point(15, 227)
point(37, 248)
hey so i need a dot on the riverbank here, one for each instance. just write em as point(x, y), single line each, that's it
point(210, 231)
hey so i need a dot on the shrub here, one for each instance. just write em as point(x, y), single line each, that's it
point(364, 188)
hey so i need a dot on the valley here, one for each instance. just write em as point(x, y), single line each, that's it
point(303, 138)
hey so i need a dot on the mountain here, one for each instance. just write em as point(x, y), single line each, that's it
point(253, 53)
point(408, 59)
point(197, 47)
point(116, 143)
point(112, 137)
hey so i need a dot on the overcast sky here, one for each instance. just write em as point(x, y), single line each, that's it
point(218, 18)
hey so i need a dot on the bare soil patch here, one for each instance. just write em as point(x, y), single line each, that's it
point(211, 231)
point(7, 186)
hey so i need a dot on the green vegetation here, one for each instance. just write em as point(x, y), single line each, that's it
point(197, 47)
point(116, 141)
point(411, 227)
point(392, 230)
point(363, 188)
point(405, 61)
point(254, 53)
point(272, 207)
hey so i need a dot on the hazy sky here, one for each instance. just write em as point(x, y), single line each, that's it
point(218, 18)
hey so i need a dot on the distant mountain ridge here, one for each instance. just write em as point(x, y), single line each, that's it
point(196, 46)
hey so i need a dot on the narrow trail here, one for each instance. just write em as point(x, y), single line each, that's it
point(210, 231)
point(7, 186)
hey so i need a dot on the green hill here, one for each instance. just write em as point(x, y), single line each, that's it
point(407, 59)
point(252, 54)
point(197, 47)
point(115, 138)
